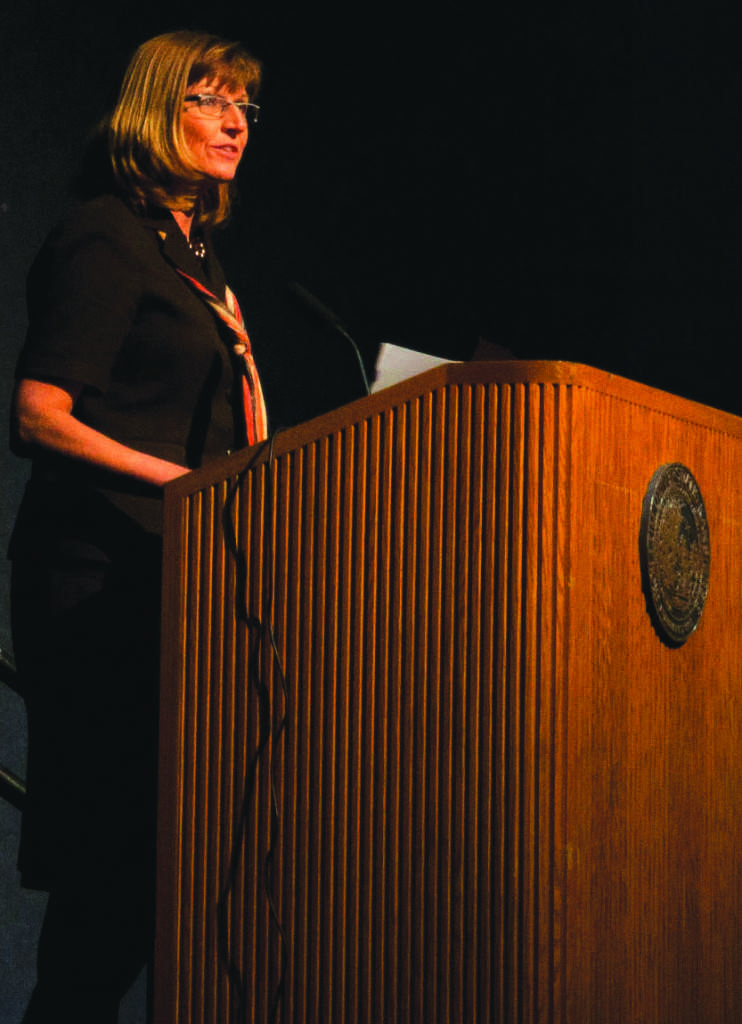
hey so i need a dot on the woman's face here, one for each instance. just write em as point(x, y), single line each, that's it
point(216, 144)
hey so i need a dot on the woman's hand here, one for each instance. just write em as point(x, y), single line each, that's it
point(43, 417)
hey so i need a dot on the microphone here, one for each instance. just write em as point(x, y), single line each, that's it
point(332, 320)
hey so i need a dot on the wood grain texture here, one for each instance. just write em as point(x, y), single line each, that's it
point(482, 790)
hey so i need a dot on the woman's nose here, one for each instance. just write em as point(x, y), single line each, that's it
point(234, 119)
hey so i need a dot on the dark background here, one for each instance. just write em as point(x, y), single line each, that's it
point(562, 185)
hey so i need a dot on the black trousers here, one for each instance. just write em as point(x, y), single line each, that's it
point(86, 641)
point(93, 945)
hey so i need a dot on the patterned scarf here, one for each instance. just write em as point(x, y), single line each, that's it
point(256, 419)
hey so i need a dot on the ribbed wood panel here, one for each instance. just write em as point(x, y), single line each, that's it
point(483, 789)
point(372, 837)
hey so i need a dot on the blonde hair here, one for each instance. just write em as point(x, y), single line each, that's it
point(147, 147)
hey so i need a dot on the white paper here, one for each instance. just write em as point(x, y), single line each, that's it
point(395, 363)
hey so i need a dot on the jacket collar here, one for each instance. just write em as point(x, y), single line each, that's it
point(175, 249)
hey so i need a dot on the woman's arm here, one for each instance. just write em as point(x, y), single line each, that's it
point(43, 417)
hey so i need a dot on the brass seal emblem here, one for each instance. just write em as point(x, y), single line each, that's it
point(675, 553)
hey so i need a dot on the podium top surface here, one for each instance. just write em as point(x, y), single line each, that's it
point(505, 372)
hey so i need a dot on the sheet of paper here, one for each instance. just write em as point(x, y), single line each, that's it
point(395, 363)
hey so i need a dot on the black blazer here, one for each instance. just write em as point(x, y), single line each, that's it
point(109, 310)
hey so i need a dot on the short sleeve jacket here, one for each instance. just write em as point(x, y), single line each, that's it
point(109, 310)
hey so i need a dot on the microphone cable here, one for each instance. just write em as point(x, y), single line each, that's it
point(261, 629)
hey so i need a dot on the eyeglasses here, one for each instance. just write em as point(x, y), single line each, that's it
point(217, 106)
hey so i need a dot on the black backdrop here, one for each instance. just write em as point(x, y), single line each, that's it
point(562, 185)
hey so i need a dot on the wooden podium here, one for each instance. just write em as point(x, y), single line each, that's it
point(426, 758)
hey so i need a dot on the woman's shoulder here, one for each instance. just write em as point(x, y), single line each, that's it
point(98, 245)
point(99, 235)
point(106, 214)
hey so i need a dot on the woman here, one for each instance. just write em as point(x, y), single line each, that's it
point(135, 369)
